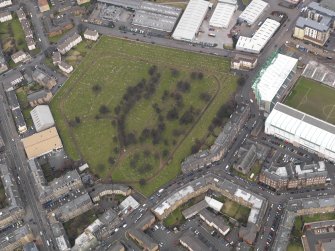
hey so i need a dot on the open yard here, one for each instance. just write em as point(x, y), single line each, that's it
point(313, 98)
point(76, 226)
point(176, 218)
point(234, 210)
point(134, 111)
point(12, 36)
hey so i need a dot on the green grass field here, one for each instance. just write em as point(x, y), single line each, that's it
point(95, 96)
point(12, 36)
point(235, 210)
point(313, 98)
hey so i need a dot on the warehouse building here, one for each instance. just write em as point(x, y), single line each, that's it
point(42, 143)
point(257, 42)
point(222, 15)
point(42, 118)
point(191, 20)
point(268, 84)
point(302, 130)
point(156, 16)
point(126, 4)
point(253, 11)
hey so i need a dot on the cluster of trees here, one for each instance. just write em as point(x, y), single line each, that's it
point(224, 112)
point(75, 122)
point(183, 86)
point(196, 75)
point(96, 88)
point(144, 88)
point(155, 134)
point(138, 166)
point(188, 116)
point(204, 96)
point(175, 73)
point(196, 146)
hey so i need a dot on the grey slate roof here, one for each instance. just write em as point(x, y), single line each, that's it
point(303, 22)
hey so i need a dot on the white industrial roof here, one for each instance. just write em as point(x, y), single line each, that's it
point(273, 77)
point(222, 15)
point(191, 20)
point(253, 11)
point(306, 130)
point(257, 42)
point(42, 117)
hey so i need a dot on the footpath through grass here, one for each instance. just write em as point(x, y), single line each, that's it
point(134, 111)
point(314, 98)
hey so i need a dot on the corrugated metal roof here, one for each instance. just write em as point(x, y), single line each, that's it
point(222, 15)
point(274, 76)
point(191, 20)
point(257, 42)
point(310, 132)
point(253, 11)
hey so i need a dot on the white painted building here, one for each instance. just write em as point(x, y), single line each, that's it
point(5, 16)
point(302, 130)
point(257, 42)
point(271, 79)
point(191, 20)
point(253, 11)
point(19, 56)
point(222, 15)
point(42, 118)
point(4, 3)
point(91, 35)
point(69, 43)
point(65, 67)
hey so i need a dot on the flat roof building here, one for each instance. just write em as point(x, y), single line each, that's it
point(257, 42)
point(271, 79)
point(42, 143)
point(253, 11)
point(191, 20)
point(302, 130)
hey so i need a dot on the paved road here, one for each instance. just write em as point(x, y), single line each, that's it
point(16, 155)
point(31, 7)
